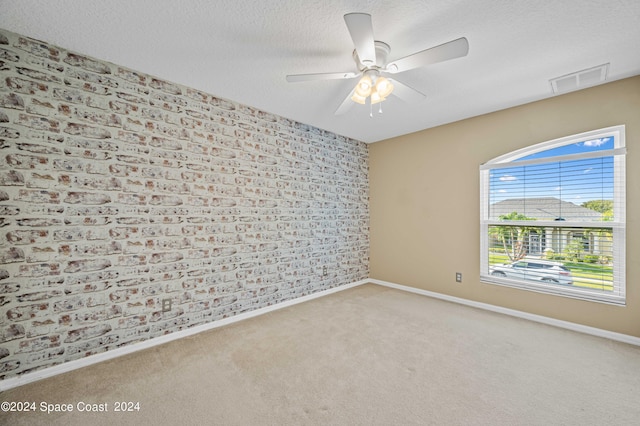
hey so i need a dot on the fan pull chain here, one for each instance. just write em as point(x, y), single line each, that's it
point(371, 109)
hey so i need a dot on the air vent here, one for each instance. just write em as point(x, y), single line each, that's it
point(580, 79)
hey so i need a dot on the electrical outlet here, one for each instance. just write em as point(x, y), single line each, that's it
point(166, 305)
point(324, 271)
point(458, 277)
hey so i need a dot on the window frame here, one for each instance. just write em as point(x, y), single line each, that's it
point(617, 224)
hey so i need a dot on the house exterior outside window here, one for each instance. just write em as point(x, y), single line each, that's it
point(553, 217)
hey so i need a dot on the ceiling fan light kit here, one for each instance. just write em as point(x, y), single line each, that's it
point(371, 56)
point(376, 87)
point(384, 87)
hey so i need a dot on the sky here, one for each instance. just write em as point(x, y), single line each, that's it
point(576, 181)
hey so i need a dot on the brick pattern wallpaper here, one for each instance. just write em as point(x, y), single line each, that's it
point(119, 190)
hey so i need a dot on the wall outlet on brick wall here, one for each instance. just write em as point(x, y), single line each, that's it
point(166, 305)
point(324, 271)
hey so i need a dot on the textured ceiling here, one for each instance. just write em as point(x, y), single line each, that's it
point(242, 50)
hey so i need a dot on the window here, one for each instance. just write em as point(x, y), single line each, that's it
point(553, 217)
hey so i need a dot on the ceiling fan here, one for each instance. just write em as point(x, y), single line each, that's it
point(371, 61)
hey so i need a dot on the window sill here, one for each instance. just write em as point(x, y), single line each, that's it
point(557, 290)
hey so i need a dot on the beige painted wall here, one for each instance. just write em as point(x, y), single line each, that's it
point(424, 201)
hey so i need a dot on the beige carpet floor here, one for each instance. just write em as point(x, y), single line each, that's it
point(364, 356)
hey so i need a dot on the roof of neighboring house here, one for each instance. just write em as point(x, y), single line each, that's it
point(548, 208)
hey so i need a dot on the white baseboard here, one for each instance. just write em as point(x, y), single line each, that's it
point(115, 353)
point(619, 337)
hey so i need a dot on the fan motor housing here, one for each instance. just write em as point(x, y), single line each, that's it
point(382, 54)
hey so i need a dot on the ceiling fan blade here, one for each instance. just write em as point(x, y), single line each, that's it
point(450, 50)
point(406, 93)
point(294, 78)
point(346, 104)
point(361, 30)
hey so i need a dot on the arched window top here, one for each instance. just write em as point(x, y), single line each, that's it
point(594, 143)
point(553, 180)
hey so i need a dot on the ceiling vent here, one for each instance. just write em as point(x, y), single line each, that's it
point(580, 79)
